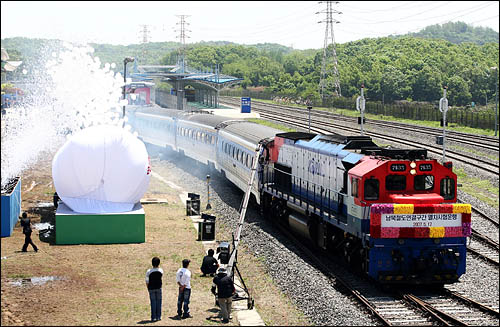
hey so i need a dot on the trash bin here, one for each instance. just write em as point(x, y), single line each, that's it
point(206, 230)
point(246, 105)
point(224, 253)
point(204, 216)
point(193, 204)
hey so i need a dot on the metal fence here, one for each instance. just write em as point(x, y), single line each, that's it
point(413, 111)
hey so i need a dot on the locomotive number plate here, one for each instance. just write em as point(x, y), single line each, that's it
point(398, 167)
point(425, 167)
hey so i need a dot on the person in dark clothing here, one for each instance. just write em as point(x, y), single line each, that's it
point(27, 230)
point(210, 264)
point(225, 292)
point(153, 282)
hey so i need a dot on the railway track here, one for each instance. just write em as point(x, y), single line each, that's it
point(414, 307)
point(322, 126)
point(479, 245)
point(452, 309)
point(484, 247)
point(478, 141)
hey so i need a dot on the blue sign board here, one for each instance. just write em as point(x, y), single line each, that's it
point(246, 105)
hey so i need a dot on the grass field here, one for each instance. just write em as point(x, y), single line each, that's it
point(104, 284)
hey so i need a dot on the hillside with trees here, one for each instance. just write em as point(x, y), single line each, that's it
point(408, 68)
point(458, 32)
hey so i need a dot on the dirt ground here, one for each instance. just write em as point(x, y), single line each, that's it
point(104, 284)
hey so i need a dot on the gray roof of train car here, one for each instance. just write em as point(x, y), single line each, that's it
point(206, 119)
point(251, 132)
point(162, 111)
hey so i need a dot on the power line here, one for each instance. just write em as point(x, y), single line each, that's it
point(386, 9)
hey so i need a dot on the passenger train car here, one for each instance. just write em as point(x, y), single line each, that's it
point(390, 212)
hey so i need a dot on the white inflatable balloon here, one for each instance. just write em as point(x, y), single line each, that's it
point(101, 169)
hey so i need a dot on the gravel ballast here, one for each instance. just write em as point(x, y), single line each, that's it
point(295, 276)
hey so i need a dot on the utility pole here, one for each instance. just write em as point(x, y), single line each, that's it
point(328, 68)
point(182, 39)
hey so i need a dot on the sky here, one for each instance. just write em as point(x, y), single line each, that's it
point(290, 23)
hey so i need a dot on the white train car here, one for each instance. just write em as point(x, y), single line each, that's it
point(236, 149)
point(197, 137)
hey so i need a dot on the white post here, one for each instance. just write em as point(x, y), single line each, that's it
point(360, 106)
point(443, 107)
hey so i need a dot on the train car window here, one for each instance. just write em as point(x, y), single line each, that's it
point(232, 147)
point(448, 188)
point(354, 187)
point(246, 160)
point(395, 182)
point(423, 182)
point(371, 189)
point(213, 139)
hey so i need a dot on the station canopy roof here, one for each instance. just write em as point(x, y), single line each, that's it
point(188, 76)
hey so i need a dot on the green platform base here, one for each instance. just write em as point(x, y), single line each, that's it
point(109, 228)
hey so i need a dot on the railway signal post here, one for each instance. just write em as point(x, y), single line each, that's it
point(208, 193)
point(125, 62)
point(443, 107)
point(360, 106)
point(309, 109)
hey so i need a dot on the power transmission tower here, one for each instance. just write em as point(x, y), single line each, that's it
point(182, 39)
point(329, 67)
point(145, 36)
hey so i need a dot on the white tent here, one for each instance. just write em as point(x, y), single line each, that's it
point(101, 169)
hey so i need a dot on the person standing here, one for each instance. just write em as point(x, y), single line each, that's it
point(153, 283)
point(27, 230)
point(209, 265)
point(183, 278)
point(225, 292)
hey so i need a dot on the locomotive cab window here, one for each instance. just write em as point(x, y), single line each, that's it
point(423, 182)
point(395, 182)
point(371, 189)
point(448, 188)
point(354, 187)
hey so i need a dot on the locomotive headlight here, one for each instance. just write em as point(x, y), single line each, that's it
point(413, 172)
point(413, 164)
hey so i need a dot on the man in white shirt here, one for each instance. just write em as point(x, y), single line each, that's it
point(183, 278)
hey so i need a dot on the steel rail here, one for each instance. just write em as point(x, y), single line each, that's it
point(438, 131)
point(451, 154)
point(472, 302)
point(436, 313)
point(489, 143)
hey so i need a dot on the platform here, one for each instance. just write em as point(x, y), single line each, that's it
point(232, 113)
point(245, 316)
point(108, 228)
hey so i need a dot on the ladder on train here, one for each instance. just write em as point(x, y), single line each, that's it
point(231, 266)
